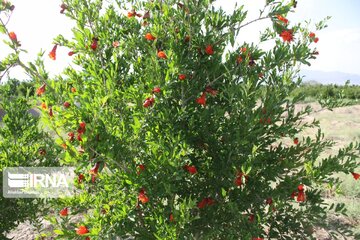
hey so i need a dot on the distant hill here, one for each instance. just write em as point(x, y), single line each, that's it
point(322, 77)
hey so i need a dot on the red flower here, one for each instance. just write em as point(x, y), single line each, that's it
point(52, 54)
point(161, 55)
point(356, 175)
point(191, 169)
point(73, 89)
point(66, 104)
point(287, 36)
point(41, 90)
point(149, 37)
point(293, 194)
point(182, 77)
point(142, 197)
point(281, 18)
point(239, 60)
point(156, 90)
point(81, 130)
point(213, 92)
point(63, 8)
point(316, 40)
point(251, 218)
point(148, 102)
point(301, 195)
point(257, 238)
point(141, 168)
point(209, 50)
point(133, 13)
point(51, 114)
point(71, 136)
point(239, 178)
point(296, 141)
point(87, 238)
point(202, 99)
point(81, 230)
point(269, 201)
point(94, 44)
point(312, 35)
point(238, 181)
point(202, 203)
point(79, 137)
point(243, 49)
point(81, 178)
point(43, 105)
point(210, 201)
point(206, 202)
point(82, 125)
point(13, 36)
point(71, 53)
point(94, 170)
point(64, 212)
point(171, 217)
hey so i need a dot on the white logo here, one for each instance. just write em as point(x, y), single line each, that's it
point(34, 182)
point(16, 180)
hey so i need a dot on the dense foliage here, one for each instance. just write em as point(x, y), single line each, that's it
point(172, 134)
point(21, 144)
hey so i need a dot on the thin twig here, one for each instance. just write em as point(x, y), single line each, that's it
point(252, 21)
point(6, 70)
point(8, 18)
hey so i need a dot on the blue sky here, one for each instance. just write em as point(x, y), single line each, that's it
point(37, 22)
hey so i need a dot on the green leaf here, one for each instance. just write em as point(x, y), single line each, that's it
point(223, 192)
point(58, 232)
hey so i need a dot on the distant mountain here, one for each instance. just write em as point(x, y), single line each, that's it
point(322, 77)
